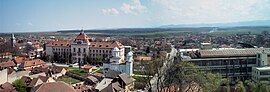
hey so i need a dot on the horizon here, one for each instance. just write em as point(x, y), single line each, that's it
point(46, 16)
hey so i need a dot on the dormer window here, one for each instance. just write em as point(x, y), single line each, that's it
point(55, 44)
point(100, 45)
point(107, 46)
point(61, 44)
point(93, 45)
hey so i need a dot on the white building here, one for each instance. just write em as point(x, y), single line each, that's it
point(117, 63)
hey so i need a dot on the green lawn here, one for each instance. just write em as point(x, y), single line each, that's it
point(77, 71)
point(99, 71)
point(138, 72)
point(138, 79)
point(68, 80)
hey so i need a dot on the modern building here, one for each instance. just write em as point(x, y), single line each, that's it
point(262, 71)
point(233, 63)
point(261, 74)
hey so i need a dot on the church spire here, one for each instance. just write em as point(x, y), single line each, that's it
point(13, 40)
point(82, 31)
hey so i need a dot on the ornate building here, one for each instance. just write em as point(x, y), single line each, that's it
point(83, 46)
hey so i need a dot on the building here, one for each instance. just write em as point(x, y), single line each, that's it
point(206, 46)
point(29, 65)
point(53, 87)
point(262, 71)
point(13, 40)
point(117, 63)
point(112, 53)
point(261, 74)
point(83, 46)
point(233, 63)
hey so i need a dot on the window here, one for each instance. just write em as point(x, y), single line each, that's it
point(83, 49)
point(74, 49)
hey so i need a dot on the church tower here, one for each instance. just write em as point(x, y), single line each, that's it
point(13, 40)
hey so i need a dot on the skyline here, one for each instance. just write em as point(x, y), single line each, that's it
point(37, 16)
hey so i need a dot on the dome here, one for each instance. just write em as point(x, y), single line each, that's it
point(130, 53)
point(115, 49)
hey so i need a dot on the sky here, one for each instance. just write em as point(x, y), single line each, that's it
point(53, 15)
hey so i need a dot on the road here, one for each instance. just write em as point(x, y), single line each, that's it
point(61, 65)
point(163, 68)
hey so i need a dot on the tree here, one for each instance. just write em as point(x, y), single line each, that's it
point(99, 59)
point(185, 77)
point(19, 85)
point(147, 50)
point(240, 87)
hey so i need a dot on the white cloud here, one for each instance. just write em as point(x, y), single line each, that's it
point(201, 11)
point(134, 8)
point(29, 24)
point(111, 11)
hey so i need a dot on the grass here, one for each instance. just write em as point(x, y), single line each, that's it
point(138, 79)
point(99, 71)
point(77, 71)
point(68, 80)
point(138, 72)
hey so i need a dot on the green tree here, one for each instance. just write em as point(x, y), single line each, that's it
point(19, 85)
point(240, 87)
point(99, 59)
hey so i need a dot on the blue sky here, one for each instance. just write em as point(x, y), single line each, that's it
point(51, 15)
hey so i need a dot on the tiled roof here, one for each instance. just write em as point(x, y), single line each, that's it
point(232, 52)
point(106, 45)
point(33, 62)
point(83, 37)
point(126, 78)
point(19, 60)
point(54, 87)
point(59, 43)
point(7, 87)
point(7, 64)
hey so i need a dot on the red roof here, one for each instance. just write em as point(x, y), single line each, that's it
point(33, 62)
point(19, 60)
point(106, 44)
point(82, 36)
point(59, 43)
point(87, 67)
point(7, 64)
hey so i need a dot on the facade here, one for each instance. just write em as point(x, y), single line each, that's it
point(233, 63)
point(83, 46)
point(117, 63)
point(261, 74)
point(262, 71)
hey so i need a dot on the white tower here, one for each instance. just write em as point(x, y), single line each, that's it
point(115, 52)
point(13, 40)
point(130, 56)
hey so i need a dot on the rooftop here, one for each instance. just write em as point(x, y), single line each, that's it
point(263, 68)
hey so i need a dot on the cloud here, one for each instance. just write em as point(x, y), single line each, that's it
point(29, 24)
point(201, 11)
point(134, 8)
point(111, 11)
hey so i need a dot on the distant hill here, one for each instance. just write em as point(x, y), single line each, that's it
point(231, 24)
